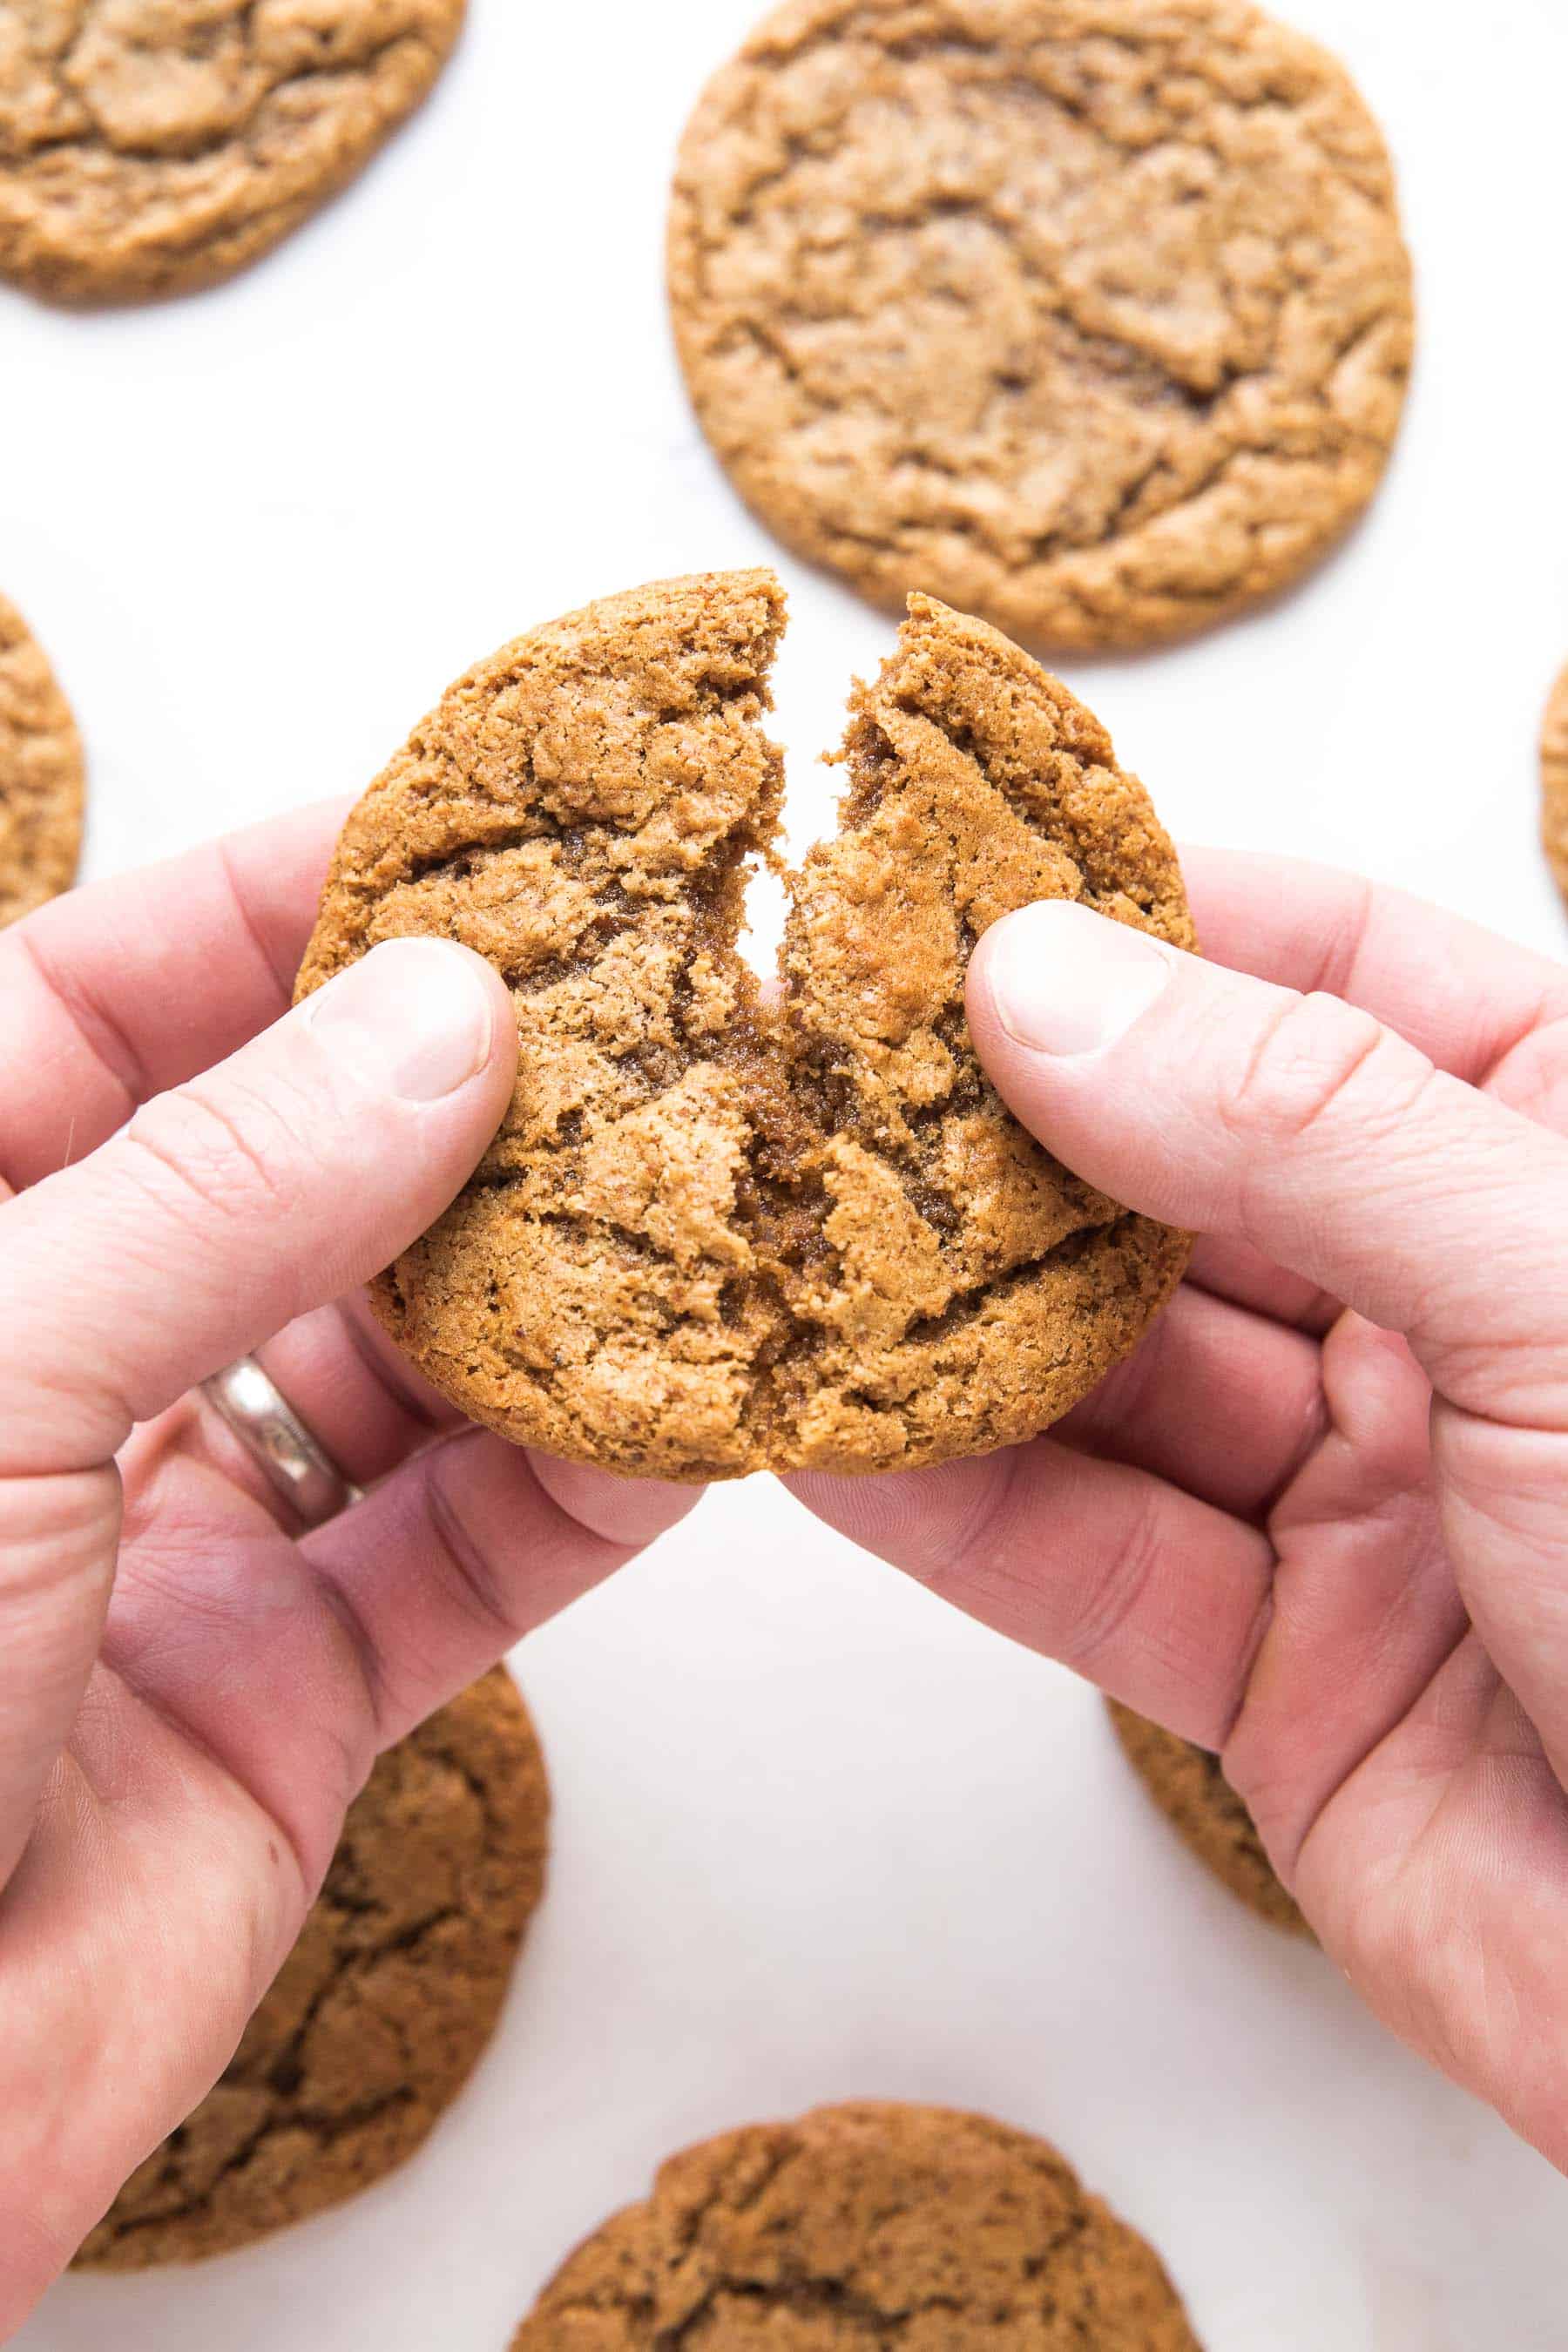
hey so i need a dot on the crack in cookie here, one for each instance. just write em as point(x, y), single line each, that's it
point(148, 147)
point(381, 2010)
point(42, 781)
point(718, 1233)
point(1092, 315)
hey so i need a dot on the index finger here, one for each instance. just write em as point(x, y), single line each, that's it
point(1461, 996)
point(128, 987)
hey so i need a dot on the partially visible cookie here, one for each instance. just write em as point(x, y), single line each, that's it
point(864, 2226)
point(717, 1235)
point(1190, 1789)
point(1555, 782)
point(383, 2007)
point(1091, 316)
point(41, 776)
point(152, 146)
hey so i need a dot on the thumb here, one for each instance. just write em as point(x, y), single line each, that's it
point(268, 1186)
point(1298, 1124)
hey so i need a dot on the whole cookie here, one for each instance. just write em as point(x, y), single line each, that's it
point(1092, 315)
point(41, 776)
point(867, 2226)
point(150, 146)
point(715, 1234)
point(381, 2010)
point(1554, 784)
point(1189, 1786)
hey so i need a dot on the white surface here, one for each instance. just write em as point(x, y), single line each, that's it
point(816, 1836)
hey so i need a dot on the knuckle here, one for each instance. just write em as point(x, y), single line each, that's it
point(58, 1538)
point(1142, 1544)
point(474, 1586)
point(1303, 1068)
point(1533, 1079)
point(230, 1153)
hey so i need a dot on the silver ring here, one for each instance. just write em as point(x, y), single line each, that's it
point(255, 1410)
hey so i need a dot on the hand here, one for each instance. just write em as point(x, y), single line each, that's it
point(191, 1690)
point(1319, 1521)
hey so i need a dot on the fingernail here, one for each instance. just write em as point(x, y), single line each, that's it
point(412, 1020)
point(1067, 981)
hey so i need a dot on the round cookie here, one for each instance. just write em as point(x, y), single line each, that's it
point(149, 147)
point(715, 1233)
point(1092, 315)
point(1554, 784)
point(862, 2226)
point(1189, 1786)
point(41, 776)
point(381, 2010)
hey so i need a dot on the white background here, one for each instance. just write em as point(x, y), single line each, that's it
point(816, 1837)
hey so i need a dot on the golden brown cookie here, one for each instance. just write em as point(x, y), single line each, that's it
point(1554, 784)
point(864, 2226)
point(1092, 315)
point(152, 146)
point(383, 2007)
point(716, 1236)
point(41, 776)
point(1189, 1788)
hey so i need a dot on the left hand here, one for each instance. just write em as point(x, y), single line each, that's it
point(192, 1688)
point(1319, 1521)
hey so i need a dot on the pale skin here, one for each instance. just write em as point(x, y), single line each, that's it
point(1334, 1548)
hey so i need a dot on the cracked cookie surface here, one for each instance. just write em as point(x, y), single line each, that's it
point(1091, 316)
point(864, 2226)
point(718, 1233)
point(382, 2010)
point(148, 147)
point(1189, 1786)
point(41, 776)
point(1554, 784)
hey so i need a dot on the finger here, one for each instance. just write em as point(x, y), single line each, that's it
point(1461, 996)
point(296, 1663)
point(1297, 1125)
point(1232, 1270)
point(1155, 1596)
point(280, 1178)
point(1223, 1403)
point(1454, 1824)
point(361, 1399)
point(467, 1549)
point(1489, 1011)
point(117, 991)
point(365, 1406)
point(1365, 1607)
point(1502, 1495)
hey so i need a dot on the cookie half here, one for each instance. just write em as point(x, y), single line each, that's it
point(715, 1233)
point(863, 2226)
point(152, 146)
point(1554, 784)
point(41, 776)
point(382, 2010)
point(1091, 316)
point(1190, 1790)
